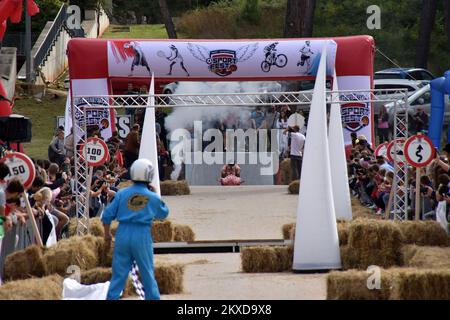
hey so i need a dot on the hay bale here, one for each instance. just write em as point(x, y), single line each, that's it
point(101, 275)
point(375, 242)
point(25, 264)
point(174, 188)
point(124, 184)
point(72, 227)
point(113, 228)
point(267, 258)
point(352, 285)
point(424, 233)
point(48, 288)
point(162, 231)
point(96, 275)
point(294, 187)
point(183, 233)
point(348, 258)
point(72, 251)
point(95, 227)
point(343, 228)
point(285, 171)
point(426, 257)
point(286, 229)
point(169, 278)
point(421, 284)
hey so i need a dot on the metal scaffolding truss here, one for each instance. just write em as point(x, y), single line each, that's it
point(81, 103)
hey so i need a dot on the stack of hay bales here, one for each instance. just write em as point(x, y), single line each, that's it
point(424, 233)
point(162, 231)
point(165, 231)
point(421, 284)
point(83, 252)
point(266, 259)
point(288, 231)
point(426, 257)
point(294, 187)
point(372, 242)
point(183, 233)
point(174, 188)
point(285, 171)
point(48, 288)
point(95, 227)
point(395, 284)
point(168, 277)
point(352, 285)
point(25, 264)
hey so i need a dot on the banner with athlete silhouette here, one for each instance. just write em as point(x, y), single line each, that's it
point(213, 60)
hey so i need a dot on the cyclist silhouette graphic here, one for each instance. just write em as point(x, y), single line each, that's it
point(272, 58)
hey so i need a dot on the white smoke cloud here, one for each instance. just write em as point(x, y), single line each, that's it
point(184, 117)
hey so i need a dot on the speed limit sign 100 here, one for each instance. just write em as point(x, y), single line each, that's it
point(21, 167)
point(96, 152)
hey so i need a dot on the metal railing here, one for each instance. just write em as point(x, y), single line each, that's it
point(52, 35)
point(18, 238)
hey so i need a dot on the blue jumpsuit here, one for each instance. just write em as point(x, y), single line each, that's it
point(134, 208)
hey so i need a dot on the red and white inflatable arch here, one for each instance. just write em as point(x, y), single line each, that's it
point(102, 67)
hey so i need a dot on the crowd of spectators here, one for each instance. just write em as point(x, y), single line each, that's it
point(371, 180)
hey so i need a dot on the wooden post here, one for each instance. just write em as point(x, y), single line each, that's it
point(389, 204)
point(37, 235)
point(417, 201)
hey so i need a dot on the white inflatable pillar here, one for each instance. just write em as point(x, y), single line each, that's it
point(338, 164)
point(316, 239)
point(149, 148)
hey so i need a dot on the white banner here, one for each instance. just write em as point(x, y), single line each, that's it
point(123, 124)
point(94, 114)
point(213, 60)
point(356, 116)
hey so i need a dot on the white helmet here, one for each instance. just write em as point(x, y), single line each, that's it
point(142, 170)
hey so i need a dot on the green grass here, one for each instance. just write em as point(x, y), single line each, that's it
point(43, 116)
point(143, 31)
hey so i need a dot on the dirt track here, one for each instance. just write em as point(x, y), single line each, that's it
point(246, 212)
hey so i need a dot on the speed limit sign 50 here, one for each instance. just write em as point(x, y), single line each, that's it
point(96, 152)
point(21, 167)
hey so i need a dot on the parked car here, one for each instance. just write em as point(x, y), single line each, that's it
point(417, 74)
point(420, 98)
point(390, 85)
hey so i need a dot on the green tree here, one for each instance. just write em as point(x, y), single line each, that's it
point(251, 12)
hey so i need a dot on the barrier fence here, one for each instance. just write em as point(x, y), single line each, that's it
point(18, 238)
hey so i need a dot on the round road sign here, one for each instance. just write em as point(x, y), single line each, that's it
point(419, 151)
point(391, 150)
point(21, 167)
point(381, 150)
point(96, 152)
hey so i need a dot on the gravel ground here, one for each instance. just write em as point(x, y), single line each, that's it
point(233, 213)
point(218, 276)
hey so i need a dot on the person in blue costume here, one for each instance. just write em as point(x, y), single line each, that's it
point(134, 208)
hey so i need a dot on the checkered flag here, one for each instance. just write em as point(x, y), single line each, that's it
point(135, 280)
